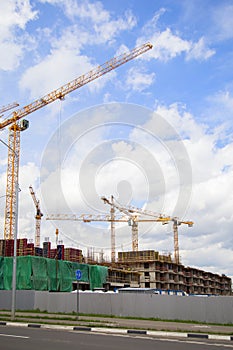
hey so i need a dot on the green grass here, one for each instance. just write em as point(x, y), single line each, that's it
point(65, 316)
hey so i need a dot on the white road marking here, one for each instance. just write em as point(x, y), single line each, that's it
point(13, 336)
point(196, 342)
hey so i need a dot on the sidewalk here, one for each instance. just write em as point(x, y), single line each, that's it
point(113, 322)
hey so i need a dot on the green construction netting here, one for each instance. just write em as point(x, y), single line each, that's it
point(7, 272)
point(40, 273)
point(1, 273)
point(24, 272)
point(53, 274)
point(98, 275)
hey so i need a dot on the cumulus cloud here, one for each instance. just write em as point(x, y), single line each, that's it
point(83, 9)
point(14, 17)
point(65, 60)
point(102, 27)
point(53, 72)
point(135, 164)
point(138, 80)
point(199, 51)
point(168, 45)
point(211, 202)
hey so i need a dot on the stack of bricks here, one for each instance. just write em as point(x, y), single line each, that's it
point(72, 254)
point(53, 253)
point(22, 247)
point(9, 247)
point(2, 247)
point(30, 249)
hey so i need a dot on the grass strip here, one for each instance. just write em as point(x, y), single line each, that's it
point(155, 319)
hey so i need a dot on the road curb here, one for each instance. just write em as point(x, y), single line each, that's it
point(197, 335)
point(122, 331)
point(78, 328)
point(34, 325)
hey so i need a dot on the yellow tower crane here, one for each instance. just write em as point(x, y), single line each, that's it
point(134, 218)
point(38, 217)
point(133, 212)
point(112, 218)
point(15, 127)
point(87, 218)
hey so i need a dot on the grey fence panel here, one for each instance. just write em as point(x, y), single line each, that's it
point(189, 308)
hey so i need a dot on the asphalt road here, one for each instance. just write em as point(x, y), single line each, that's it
point(18, 338)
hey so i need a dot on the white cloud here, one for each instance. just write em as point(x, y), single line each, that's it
point(65, 60)
point(28, 175)
point(107, 31)
point(87, 10)
point(222, 18)
point(140, 165)
point(11, 55)
point(138, 80)
point(211, 202)
point(198, 137)
point(15, 15)
point(101, 24)
point(82, 9)
point(200, 51)
point(72, 38)
point(225, 98)
point(53, 72)
point(167, 45)
point(219, 109)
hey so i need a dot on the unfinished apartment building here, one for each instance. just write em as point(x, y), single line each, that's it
point(159, 271)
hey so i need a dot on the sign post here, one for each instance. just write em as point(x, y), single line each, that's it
point(78, 278)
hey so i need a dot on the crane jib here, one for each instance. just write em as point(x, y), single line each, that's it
point(75, 84)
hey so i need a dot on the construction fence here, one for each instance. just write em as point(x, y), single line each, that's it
point(43, 274)
point(216, 309)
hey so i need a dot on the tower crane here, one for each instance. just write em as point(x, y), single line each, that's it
point(176, 223)
point(112, 218)
point(16, 127)
point(134, 218)
point(38, 217)
point(132, 211)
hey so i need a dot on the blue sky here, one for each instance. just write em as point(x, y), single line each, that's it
point(183, 93)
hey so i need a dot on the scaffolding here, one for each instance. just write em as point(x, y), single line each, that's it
point(142, 256)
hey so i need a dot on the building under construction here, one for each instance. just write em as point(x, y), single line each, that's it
point(160, 271)
point(145, 269)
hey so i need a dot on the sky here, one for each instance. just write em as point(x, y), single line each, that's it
point(156, 132)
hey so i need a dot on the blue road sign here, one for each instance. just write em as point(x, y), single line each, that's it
point(78, 275)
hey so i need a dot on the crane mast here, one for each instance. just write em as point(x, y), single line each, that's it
point(113, 232)
point(38, 217)
point(16, 127)
point(12, 186)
